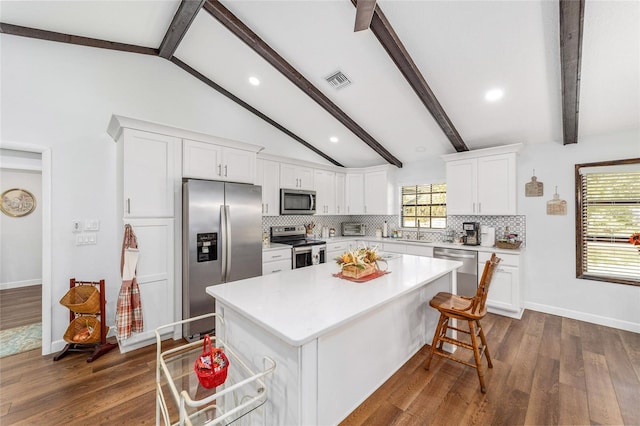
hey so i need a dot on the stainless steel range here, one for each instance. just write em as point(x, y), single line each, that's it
point(305, 251)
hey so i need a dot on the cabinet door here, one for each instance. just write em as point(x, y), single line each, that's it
point(355, 193)
point(155, 276)
point(375, 192)
point(340, 182)
point(149, 173)
point(305, 176)
point(295, 177)
point(497, 185)
point(461, 186)
point(504, 290)
point(201, 160)
point(238, 165)
point(268, 176)
point(324, 183)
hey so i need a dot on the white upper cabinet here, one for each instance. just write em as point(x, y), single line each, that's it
point(268, 176)
point(341, 206)
point(355, 193)
point(482, 182)
point(295, 177)
point(325, 187)
point(202, 160)
point(379, 191)
point(150, 167)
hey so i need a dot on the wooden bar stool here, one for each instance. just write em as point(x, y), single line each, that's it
point(469, 309)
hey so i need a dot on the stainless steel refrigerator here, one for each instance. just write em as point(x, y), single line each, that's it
point(222, 242)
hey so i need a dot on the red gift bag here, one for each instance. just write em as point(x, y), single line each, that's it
point(211, 367)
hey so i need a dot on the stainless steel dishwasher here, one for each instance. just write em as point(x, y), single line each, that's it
point(467, 273)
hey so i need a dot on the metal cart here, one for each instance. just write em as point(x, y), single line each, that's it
point(181, 400)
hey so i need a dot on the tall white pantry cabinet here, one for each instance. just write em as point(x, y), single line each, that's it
point(149, 198)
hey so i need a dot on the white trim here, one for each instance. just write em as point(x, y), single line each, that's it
point(119, 122)
point(45, 204)
point(504, 149)
point(18, 284)
point(582, 316)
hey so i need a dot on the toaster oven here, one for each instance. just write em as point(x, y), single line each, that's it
point(353, 229)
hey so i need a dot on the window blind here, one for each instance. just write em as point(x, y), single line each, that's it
point(610, 213)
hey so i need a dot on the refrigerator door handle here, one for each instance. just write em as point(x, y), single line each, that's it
point(227, 231)
point(223, 249)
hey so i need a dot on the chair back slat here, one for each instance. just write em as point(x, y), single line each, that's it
point(480, 299)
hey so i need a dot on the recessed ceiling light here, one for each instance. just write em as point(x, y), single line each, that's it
point(493, 95)
point(334, 139)
point(254, 81)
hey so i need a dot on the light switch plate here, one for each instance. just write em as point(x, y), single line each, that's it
point(91, 225)
point(76, 226)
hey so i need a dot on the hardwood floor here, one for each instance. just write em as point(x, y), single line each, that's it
point(20, 306)
point(547, 370)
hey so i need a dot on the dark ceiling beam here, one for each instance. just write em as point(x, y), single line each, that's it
point(244, 33)
point(182, 20)
point(571, 31)
point(72, 39)
point(385, 34)
point(251, 109)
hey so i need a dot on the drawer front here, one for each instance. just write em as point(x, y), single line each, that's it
point(275, 267)
point(507, 259)
point(341, 247)
point(276, 255)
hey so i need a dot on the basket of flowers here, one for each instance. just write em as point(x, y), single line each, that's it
point(359, 263)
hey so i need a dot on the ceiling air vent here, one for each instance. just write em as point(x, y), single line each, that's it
point(338, 80)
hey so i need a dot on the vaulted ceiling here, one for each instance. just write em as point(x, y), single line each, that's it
point(418, 77)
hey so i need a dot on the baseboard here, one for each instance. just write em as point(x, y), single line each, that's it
point(581, 316)
point(18, 284)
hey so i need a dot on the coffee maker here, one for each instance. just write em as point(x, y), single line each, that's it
point(472, 233)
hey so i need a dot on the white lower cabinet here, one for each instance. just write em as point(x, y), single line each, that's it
point(276, 261)
point(505, 295)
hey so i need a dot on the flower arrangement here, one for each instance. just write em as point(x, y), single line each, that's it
point(635, 240)
point(359, 262)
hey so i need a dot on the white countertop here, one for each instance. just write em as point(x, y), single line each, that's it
point(302, 304)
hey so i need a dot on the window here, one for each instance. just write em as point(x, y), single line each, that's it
point(424, 206)
point(607, 213)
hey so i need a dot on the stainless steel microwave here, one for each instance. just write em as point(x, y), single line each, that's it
point(297, 201)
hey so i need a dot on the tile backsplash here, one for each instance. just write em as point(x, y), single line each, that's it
point(516, 224)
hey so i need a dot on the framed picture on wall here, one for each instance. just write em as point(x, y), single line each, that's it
point(17, 202)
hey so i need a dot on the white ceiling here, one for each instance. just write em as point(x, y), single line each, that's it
point(462, 48)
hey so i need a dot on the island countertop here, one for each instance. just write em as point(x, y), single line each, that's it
point(302, 304)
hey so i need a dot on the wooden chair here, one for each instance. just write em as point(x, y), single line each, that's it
point(469, 309)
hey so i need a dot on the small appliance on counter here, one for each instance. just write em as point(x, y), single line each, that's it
point(353, 229)
point(472, 233)
point(487, 236)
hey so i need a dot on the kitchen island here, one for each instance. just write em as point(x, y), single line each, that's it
point(334, 341)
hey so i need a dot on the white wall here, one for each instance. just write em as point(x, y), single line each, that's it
point(21, 237)
point(550, 282)
point(62, 96)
